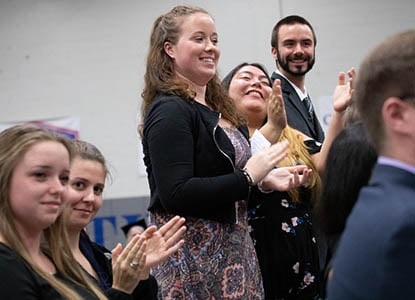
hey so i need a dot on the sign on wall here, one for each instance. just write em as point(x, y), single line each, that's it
point(68, 126)
point(105, 228)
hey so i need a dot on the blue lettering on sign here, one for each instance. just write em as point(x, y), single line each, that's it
point(99, 227)
point(98, 224)
point(131, 218)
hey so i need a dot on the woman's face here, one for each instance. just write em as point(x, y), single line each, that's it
point(195, 54)
point(86, 184)
point(38, 184)
point(250, 90)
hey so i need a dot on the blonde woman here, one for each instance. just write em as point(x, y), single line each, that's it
point(34, 171)
point(127, 269)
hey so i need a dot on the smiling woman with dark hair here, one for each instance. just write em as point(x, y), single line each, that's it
point(286, 249)
point(281, 222)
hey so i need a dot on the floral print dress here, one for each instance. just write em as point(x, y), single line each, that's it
point(286, 245)
point(218, 260)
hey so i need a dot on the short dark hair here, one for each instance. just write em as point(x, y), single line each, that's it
point(388, 71)
point(290, 20)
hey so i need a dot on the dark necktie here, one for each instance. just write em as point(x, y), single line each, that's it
point(309, 106)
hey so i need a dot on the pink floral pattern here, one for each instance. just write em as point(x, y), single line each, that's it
point(218, 260)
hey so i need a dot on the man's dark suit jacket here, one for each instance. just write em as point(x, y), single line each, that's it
point(297, 115)
point(376, 255)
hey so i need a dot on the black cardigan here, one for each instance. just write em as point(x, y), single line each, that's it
point(190, 160)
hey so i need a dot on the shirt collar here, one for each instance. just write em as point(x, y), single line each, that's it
point(299, 92)
point(383, 160)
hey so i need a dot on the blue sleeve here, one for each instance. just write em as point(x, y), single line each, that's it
point(398, 280)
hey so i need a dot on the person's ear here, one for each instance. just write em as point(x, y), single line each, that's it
point(274, 53)
point(169, 49)
point(396, 116)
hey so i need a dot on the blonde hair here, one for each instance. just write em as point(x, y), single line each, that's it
point(14, 143)
point(160, 74)
point(298, 155)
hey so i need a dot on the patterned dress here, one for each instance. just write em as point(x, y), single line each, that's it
point(218, 260)
point(286, 244)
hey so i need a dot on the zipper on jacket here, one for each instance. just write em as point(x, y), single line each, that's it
point(230, 160)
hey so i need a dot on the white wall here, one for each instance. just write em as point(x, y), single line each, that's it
point(86, 58)
point(346, 31)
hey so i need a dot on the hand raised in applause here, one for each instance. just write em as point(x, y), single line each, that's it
point(163, 242)
point(128, 264)
point(276, 115)
point(276, 107)
point(342, 95)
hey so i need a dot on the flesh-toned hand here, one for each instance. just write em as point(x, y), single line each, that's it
point(128, 264)
point(262, 162)
point(165, 241)
point(342, 95)
point(276, 116)
point(286, 178)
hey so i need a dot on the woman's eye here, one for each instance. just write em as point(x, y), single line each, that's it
point(78, 185)
point(40, 175)
point(98, 190)
point(64, 179)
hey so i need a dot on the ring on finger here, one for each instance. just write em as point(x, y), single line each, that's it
point(134, 265)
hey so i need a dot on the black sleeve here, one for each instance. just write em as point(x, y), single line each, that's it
point(16, 280)
point(146, 289)
point(312, 146)
point(114, 294)
point(168, 134)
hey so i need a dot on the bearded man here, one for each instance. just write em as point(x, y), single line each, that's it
point(293, 48)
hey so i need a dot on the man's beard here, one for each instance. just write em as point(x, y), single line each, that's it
point(284, 64)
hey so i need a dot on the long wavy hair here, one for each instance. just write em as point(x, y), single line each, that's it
point(14, 143)
point(160, 74)
point(298, 154)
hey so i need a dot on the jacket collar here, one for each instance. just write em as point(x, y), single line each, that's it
point(293, 98)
